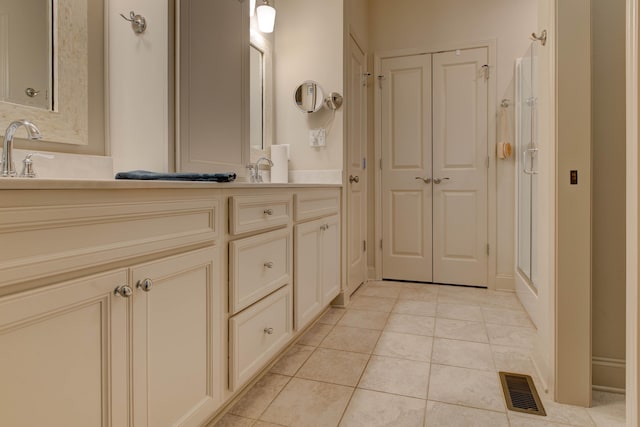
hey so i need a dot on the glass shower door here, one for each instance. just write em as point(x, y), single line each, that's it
point(527, 150)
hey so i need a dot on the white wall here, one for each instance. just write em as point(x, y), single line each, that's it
point(404, 24)
point(309, 46)
point(139, 87)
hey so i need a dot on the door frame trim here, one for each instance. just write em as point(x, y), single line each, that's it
point(491, 45)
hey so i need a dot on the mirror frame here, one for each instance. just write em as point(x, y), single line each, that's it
point(319, 99)
point(261, 43)
point(79, 117)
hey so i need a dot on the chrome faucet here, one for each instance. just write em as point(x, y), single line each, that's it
point(7, 168)
point(254, 169)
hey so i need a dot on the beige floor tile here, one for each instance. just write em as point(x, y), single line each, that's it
point(372, 303)
point(511, 336)
point(375, 409)
point(459, 312)
point(380, 291)
point(305, 403)
point(445, 415)
point(468, 387)
point(410, 324)
point(351, 339)
point(396, 376)
point(509, 317)
point(516, 360)
point(364, 319)
point(417, 308)
point(464, 354)
point(260, 396)
point(334, 366)
point(500, 299)
point(563, 414)
point(265, 424)
point(404, 346)
point(516, 420)
point(315, 335)
point(608, 409)
point(332, 316)
point(420, 294)
point(230, 420)
point(461, 330)
point(292, 360)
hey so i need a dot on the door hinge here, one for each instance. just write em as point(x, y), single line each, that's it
point(365, 76)
point(488, 161)
point(486, 71)
point(380, 77)
point(380, 243)
point(487, 249)
point(364, 163)
point(380, 163)
point(364, 246)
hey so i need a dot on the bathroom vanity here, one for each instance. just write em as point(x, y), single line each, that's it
point(138, 303)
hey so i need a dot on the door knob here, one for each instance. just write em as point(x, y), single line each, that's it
point(426, 180)
point(145, 284)
point(123, 291)
point(353, 179)
point(268, 264)
point(439, 180)
point(268, 211)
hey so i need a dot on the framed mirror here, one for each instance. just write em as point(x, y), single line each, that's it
point(52, 72)
point(309, 96)
point(261, 91)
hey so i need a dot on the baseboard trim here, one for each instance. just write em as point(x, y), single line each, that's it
point(505, 282)
point(608, 374)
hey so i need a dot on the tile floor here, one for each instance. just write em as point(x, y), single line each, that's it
point(406, 355)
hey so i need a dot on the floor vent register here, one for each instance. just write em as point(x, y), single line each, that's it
point(520, 394)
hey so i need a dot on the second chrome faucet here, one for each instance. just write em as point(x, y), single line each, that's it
point(7, 167)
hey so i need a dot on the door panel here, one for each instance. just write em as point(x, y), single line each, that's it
point(460, 167)
point(357, 148)
point(406, 154)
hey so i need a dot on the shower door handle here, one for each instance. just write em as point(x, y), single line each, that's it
point(532, 153)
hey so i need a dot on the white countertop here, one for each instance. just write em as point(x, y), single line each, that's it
point(109, 184)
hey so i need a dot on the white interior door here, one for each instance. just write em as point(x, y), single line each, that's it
point(460, 165)
point(356, 154)
point(434, 167)
point(406, 168)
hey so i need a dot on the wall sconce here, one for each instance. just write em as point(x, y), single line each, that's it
point(266, 17)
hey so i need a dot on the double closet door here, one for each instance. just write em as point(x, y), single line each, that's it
point(435, 167)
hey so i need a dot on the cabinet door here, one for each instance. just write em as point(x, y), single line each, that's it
point(63, 355)
point(307, 285)
point(177, 340)
point(330, 257)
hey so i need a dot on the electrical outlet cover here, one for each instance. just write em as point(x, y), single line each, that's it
point(318, 137)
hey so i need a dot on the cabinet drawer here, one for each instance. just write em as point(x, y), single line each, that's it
point(258, 266)
point(255, 213)
point(257, 334)
point(314, 204)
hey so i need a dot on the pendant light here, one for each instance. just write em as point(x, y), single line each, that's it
point(266, 17)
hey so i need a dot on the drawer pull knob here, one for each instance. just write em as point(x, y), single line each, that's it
point(145, 285)
point(123, 291)
point(268, 264)
point(268, 331)
point(268, 211)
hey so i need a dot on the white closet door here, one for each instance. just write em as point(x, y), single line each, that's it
point(406, 168)
point(460, 167)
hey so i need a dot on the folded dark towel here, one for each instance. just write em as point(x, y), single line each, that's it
point(187, 176)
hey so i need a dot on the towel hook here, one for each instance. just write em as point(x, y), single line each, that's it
point(138, 22)
point(542, 38)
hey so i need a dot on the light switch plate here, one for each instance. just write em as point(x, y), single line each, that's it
point(318, 137)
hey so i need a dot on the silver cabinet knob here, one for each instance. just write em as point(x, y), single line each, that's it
point(145, 284)
point(268, 211)
point(425, 180)
point(31, 92)
point(124, 291)
point(439, 180)
point(268, 264)
point(353, 179)
point(268, 331)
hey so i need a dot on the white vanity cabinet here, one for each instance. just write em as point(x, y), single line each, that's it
point(138, 343)
point(317, 254)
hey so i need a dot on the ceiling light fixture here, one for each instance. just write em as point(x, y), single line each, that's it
point(266, 17)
